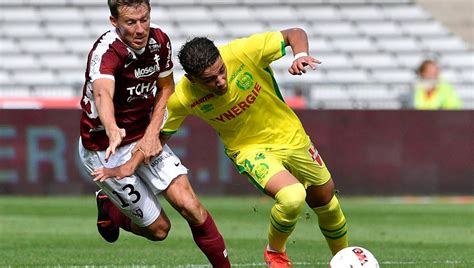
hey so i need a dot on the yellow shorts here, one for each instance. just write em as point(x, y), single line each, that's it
point(304, 163)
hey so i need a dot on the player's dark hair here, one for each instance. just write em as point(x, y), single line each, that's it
point(197, 54)
point(114, 5)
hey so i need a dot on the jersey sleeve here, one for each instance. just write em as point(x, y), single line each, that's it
point(264, 48)
point(103, 64)
point(176, 115)
point(166, 64)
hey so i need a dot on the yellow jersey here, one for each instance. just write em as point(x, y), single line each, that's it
point(252, 113)
point(442, 98)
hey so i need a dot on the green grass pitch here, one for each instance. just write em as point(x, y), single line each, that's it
point(61, 232)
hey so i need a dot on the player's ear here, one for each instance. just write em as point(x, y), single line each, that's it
point(113, 20)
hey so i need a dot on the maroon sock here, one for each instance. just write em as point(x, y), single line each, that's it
point(211, 243)
point(117, 217)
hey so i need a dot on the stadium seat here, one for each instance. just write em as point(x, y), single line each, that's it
point(317, 13)
point(374, 60)
point(447, 43)
point(458, 59)
point(393, 76)
point(242, 29)
point(44, 45)
point(7, 45)
point(192, 13)
point(275, 13)
point(67, 30)
point(347, 76)
point(379, 28)
point(60, 14)
point(93, 13)
point(234, 13)
point(333, 29)
point(405, 13)
point(39, 77)
point(354, 44)
point(19, 14)
point(362, 13)
point(209, 29)
point(61, 61)
point(424, 28)
point(334, 60)
point(19, 61)
point(22, 30)
point(398, 44)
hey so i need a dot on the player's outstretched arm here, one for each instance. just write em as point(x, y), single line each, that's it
point(126, 169)
point(103, 90)
point(150, 143)
point(119, 172)
point(297, 39)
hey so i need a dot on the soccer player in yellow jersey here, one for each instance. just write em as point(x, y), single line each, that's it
point(233, 89)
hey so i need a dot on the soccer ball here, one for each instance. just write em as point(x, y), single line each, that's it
point(354, 257)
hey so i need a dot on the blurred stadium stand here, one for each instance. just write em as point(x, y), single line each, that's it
point(369, 48)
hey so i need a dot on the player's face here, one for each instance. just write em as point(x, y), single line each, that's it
point(214, 77)
point(133, 25)
point(430, 72)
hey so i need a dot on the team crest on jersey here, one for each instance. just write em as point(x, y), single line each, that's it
point(206, 107)
point(153, 45)
point(137, 213)
point(245, 81)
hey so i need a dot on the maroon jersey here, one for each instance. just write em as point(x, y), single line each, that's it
point(135, 74)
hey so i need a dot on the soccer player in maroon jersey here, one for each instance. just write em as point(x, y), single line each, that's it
point(129, 79)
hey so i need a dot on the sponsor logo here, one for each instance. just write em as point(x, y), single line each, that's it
point(176, 164)
point(241, 107)
point(234, 75)
point(157, 160)
point(206, 108)
point(202, 100)
point(147, 71)
point(261, 171)
point(153, 45)
point(141, 91)
point(360, 255)
point(245, 81)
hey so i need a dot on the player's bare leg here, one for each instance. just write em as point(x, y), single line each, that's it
point(289, 195)
point(110, 219)
point(331, 220)
point(205, 233)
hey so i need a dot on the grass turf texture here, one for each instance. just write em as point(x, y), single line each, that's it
point(61, 231)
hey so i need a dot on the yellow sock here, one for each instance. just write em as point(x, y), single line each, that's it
point(284, 214)
point(333, 225)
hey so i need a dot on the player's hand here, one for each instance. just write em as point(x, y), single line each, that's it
point(150, 146)
point(102, 174)
point(115, 139)
point(299, 65)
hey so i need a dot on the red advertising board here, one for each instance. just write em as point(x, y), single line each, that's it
point(367, 152)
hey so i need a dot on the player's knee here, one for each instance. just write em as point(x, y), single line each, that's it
point(193, 211)
point(291, 200)
point(159, 234)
